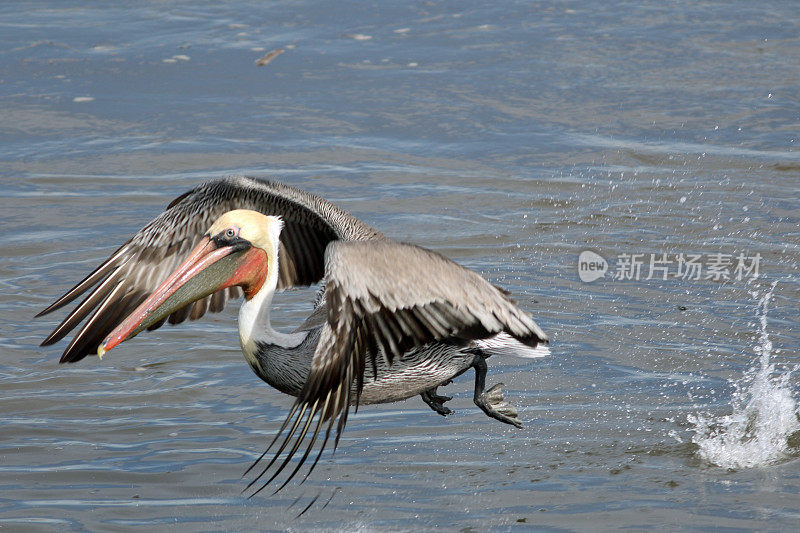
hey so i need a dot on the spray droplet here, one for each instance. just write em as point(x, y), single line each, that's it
point(764, 417)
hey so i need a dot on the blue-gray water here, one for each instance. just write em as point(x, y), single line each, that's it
point(511, 138)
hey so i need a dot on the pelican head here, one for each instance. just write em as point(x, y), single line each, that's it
point(239, 249)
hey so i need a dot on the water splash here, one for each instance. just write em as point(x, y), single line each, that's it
point(765, 413)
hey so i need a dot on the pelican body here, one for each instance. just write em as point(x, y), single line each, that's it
point(393, 320)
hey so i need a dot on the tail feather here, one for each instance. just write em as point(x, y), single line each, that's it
point(505, 344)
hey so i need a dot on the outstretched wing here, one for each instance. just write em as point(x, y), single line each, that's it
point(131, 274)
point(384, 297)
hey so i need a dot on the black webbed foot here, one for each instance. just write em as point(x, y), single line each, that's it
point(435, 401)
point(492, 401)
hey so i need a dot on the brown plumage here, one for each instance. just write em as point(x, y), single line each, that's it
point(394, 320)
point(131, 274)
point(385, 299)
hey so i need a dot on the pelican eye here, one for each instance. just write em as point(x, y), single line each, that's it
point(230, 233)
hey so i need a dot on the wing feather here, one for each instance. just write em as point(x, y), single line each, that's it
point(395, 297)
point(134, 270)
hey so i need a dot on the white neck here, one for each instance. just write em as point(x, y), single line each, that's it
point(254, 324)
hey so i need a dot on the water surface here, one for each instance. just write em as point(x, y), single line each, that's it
point(510, 138)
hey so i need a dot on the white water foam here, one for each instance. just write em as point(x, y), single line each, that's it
point(765, 413)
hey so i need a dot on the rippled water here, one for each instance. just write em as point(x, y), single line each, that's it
point(511, 138)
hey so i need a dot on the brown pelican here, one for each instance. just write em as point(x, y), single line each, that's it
point(392, 320)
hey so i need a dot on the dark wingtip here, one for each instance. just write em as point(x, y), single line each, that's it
point(68, 357)
point(67, 297)
point(58, 304)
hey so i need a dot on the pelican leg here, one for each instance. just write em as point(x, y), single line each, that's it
point(491, 401)
point(435, 401)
